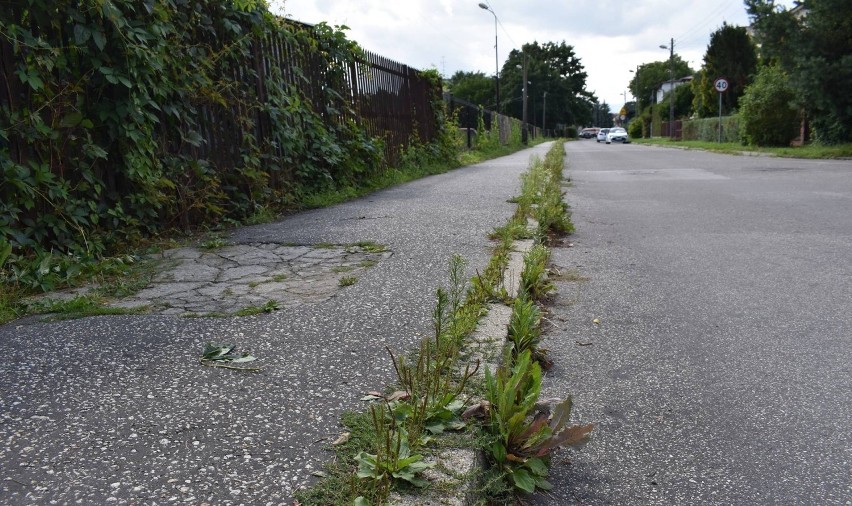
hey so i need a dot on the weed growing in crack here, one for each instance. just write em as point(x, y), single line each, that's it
point(524, 436)
point(213, 243)
point(347, 281)
point(268, 307)
point(525, 332)
point(369, 247)
point(534, 281)
point(393, 459)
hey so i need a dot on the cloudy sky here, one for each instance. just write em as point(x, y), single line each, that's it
point(611, 37)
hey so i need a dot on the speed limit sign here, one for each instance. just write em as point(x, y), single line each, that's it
point(721, 84)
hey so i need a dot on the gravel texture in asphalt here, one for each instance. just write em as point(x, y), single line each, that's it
point(117, 409)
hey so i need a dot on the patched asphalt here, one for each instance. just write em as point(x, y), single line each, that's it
point(117, 409)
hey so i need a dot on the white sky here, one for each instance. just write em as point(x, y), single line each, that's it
point(610, 37)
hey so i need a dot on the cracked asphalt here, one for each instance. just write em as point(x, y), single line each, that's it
point(117, 409)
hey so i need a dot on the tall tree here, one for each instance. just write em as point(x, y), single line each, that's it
point(474, 87)
point(731, 54)
point(815, 51)
point(651, 76)
point(551, 68)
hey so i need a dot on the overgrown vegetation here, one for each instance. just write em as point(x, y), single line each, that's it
point(106, 130)
point(767, 115)
point(120, 122)
point(408, 423)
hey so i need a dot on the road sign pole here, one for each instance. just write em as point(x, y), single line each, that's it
point(720, 118)
point(721, 85)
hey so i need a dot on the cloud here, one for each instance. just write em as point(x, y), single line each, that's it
point(610, 38)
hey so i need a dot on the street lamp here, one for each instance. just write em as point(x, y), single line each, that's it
point(496, 57)
point(670, 47)
point(524, 132)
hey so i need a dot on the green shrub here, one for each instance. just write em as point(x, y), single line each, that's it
point(634, 129)
point(767, 114)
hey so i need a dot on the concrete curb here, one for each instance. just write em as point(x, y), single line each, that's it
point(454, 474)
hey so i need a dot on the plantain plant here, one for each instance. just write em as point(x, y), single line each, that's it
point(524, 438)
point(393, 459)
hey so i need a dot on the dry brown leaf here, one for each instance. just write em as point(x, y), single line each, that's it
point(342, 439)
point(398, 395)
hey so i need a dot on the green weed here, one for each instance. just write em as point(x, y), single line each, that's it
point(214, 243)
point(268, 307)
point(524, 438)
point(347, 281)
point(534, 280)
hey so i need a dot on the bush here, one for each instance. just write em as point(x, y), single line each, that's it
point(767, 116)
point(634, 129)
point(571, 132)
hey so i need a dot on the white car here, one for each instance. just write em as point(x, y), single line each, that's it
point(617, 134)
point(602, 134)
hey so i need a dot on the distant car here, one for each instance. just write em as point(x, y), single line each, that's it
point(602, 134)
point(588, 133)
point(617, 134)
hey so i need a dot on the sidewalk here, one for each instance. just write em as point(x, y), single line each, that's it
point(117, 409)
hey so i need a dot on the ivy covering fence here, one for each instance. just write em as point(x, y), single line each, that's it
point(123, 118)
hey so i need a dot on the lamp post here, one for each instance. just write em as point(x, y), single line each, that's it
point(670, 47)
point(496, 57)
point(544, 116)
point(524, 132)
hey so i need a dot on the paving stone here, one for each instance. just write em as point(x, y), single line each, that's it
point(244, 271)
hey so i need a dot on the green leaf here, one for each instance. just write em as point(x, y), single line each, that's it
point(543, 484)
point(537, 466)
point(99, 39)
point(71, 119)
point(523, 480)
point(367, 466)
point(81, 34)
point(5, 251)
point(499, 452)
point(361, 501)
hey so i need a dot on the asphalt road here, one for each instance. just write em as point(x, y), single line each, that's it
point(721, 370)
point(117, 410)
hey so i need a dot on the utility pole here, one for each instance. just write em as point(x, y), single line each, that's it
point(671, 90)
point(544, 115)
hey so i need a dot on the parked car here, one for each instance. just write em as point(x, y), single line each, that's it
point(617, 134)
point(602, 134)
point(588, 133)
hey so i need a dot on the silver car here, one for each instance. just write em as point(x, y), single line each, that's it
point(617, 134)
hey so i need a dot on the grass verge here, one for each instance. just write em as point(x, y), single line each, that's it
point(811, 151)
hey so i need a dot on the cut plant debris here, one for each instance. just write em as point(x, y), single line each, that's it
point(224, 356)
